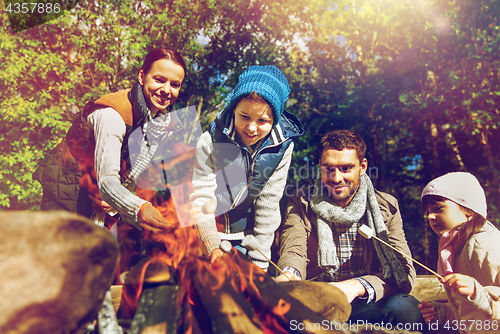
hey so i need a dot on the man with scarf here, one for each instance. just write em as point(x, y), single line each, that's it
point(320, 239)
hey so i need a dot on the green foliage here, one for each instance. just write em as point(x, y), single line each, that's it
point(418, 79)
point(49, 72)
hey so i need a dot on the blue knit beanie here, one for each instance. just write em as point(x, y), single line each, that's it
point(268, 82)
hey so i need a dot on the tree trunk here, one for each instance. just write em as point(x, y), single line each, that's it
point(452, 144)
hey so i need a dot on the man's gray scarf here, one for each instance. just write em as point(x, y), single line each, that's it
point(329, 214)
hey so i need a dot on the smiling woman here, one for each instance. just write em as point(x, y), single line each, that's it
point(93, 170)
point(161, 84)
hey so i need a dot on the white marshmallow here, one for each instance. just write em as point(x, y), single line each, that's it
point(365, 231)
point(226, 246)
point(209, 207)
point(250, 242)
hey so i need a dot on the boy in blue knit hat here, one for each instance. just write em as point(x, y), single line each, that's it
point(241, 166)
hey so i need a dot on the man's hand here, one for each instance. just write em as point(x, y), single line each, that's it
point(461, 285)
point(150, 218)
point(283, 278)
point(427, 311)
point(351, 287)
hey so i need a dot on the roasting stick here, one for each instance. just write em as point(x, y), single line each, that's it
point(251, 243)
point(367, 232)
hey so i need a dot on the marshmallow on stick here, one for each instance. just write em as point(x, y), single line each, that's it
point(209, 207)
point(367, 232)
point(251, 243)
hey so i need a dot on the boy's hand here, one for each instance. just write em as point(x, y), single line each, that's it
point(427, 311)
point(150, 218)
point(461, 285)
point(216, 253)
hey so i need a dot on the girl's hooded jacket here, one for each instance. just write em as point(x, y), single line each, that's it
point(479, 259)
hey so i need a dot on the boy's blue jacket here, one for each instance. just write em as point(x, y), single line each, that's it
point(236, 193)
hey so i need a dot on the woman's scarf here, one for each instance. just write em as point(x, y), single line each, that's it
point(154, 130)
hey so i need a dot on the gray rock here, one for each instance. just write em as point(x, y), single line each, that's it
point(56, 268)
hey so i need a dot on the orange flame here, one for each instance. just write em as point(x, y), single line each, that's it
point(183, 252)
point(282, 308)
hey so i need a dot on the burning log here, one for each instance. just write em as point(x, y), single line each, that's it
point(56, 269)
point(232, 295)
point(285, 309)
point(325, 299)
point(157, 311)
point(227, 311)
point(149, 272)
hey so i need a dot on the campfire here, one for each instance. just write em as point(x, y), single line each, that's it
point(178, 291)
point(174, 288)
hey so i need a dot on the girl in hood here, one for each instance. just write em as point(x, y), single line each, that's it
point(469, 260)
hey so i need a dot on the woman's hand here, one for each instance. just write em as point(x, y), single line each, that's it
point(151, 219)
point(427, 311)
point(461, 284)
point(98, 205)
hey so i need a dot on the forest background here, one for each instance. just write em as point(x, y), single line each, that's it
point(419, 80)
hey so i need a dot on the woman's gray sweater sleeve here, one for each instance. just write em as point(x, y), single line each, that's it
point(109, 130)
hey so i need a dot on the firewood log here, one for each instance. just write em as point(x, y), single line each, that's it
point(227, 311)
point(325, 299)
point(157, 310)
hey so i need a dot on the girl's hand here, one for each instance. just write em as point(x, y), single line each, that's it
point(461, 285)
point(427, 311)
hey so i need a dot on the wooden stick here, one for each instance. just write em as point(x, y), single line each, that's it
point(251, 243)
point(273, 264)
point(408, 257)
